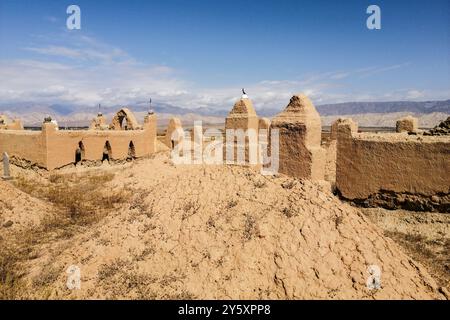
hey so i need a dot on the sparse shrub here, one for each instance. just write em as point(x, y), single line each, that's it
point(250, 228)
point(25, 185)
point(338, 220)
point(107, 271)
point(145, 253)
point(80, 198)
point(100, 179)
point(138, 203)
point(210, 223)
point(232, 203)
point(47, 276)
point(10, 280)
point(414, 243)
point(288, 212)
point(291, 211)
point(55, 178)
point(184, 295)
point(6, 205)
point(190, 208)
point(206, 255)
point(260, 183)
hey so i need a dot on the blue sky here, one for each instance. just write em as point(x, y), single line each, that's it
point(200, 53)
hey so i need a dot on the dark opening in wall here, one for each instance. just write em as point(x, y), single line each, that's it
point(131, 151)
point(79, 153)
point(106, 151)
point(123, 122)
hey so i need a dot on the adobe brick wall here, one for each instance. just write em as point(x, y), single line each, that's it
point(374, 165)
point(407, 124)
point(243, 117)
point(5, 124)
point(300, 130)
point(174, 132)
point(52, 148)
point(25, 145)
point(336, 123)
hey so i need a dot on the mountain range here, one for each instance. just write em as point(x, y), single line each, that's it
point(366, 113)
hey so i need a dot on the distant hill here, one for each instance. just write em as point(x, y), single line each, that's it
point(384, 107)
point(368, 113)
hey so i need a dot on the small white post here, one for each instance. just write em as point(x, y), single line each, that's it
point(6, 170)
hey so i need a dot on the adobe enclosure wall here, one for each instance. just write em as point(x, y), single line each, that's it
point(28, 146)
point(52, 149)
point(395, 170)
point(62, 145)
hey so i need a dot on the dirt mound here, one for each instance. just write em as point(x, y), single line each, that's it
point(226, 232)
point(441, 129)
point(19, 211)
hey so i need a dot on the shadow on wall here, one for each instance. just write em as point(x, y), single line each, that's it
point(107, 152)
point(79, 153)
point(131, 151)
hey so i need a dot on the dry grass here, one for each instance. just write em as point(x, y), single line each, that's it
point(107, 271)
point(190, 208)
point(434, 255)
point(250, 227)
point(231, 204)
point(48, 276)
point(11, 286)
point(80, 201)
point(288, 212)
point(138, 203)
point(260, 184)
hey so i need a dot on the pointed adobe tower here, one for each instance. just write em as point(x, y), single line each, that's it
point(300, 130)
point(174, 133)
point(242, 117)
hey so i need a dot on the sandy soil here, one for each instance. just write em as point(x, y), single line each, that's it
point(218, 232)
point(425, 236)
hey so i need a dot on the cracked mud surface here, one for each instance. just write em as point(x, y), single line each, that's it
point(219, 232)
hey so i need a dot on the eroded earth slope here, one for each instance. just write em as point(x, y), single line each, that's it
point(204, 232)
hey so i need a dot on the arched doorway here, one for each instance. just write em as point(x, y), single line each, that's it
point(124, 119)
point(131, 151)
point(79, 153)
point(107, 151)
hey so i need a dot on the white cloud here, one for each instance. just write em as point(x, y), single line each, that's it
point(51, 19)
point(92, 72)
point(57, 51)
point(367, 72)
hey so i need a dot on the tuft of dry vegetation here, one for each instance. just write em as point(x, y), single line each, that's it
point(190, 208)
point(80, 200)
point(11, 285)
point(260, 184)
point(107, 271)
point(288, 212)
point(231, 204)
point(433, 254)
point(250, 227)
point(138, 203)
point(47, 276)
